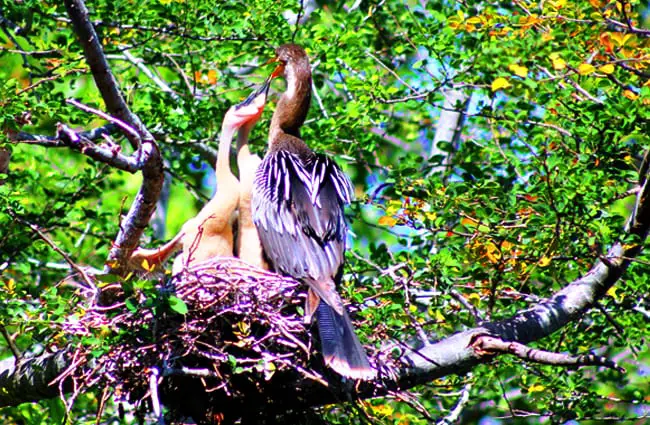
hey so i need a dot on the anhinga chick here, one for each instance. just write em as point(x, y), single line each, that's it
point(210, 233)
point(298, 208)
point(247, 245)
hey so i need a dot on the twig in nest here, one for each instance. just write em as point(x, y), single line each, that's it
point(154, 374)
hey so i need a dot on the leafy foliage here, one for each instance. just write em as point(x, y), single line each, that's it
point(532, 191)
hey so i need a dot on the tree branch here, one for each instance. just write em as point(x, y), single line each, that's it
point(145, 202)
point(66, 137)
point(30, 380)
point(489, 346)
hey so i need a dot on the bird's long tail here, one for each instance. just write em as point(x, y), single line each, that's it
point(341, 347)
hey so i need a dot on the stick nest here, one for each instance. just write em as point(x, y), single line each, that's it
point(241, 327)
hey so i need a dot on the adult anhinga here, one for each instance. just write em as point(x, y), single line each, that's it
point(298, 202)
point(210, 233)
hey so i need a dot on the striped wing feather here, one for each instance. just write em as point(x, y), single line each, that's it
point(298, 210)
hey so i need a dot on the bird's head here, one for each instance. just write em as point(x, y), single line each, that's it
point(291, 59)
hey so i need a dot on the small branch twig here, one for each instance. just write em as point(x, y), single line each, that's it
point(478, 317)
point(298, 17)
point(484, 345)
point(455, 413)
point(12, 345)
point(39, 139)
point(140, 64)
point(393, 73)
point(187, 371)
point(121, 124)
point(66, 257)
point(631, 28)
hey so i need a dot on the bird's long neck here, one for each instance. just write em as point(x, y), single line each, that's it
point(292, 108)
point(243, 149)
point(222, 166)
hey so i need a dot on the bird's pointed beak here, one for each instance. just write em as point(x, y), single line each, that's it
point(250, 109)
point(258, 96)
point(279, 69)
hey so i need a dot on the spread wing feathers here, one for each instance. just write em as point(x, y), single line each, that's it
point(298, 210)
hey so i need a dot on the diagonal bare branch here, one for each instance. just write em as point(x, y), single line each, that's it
point(145, 201)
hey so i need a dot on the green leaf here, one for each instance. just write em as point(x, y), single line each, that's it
point(177, 305)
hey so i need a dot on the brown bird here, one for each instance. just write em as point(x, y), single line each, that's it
point(298, 204)
point(210, 233)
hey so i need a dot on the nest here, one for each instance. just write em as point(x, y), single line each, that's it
point(242, 326)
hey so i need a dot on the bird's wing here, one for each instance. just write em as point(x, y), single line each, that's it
point(298, 211)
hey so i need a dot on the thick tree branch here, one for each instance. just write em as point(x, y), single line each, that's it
point(30, 380)
point(145, 202)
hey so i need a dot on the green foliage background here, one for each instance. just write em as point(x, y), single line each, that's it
point(524, 202)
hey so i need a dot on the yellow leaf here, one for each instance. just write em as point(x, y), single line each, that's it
point(620, 38)
point(431, 215)
point(492, 253)
point(586, 69)
point(387, 221)
point(11, 286)
point(468, 222)
point(383, 410)
point(613, 292)
point(531, 20)
point(500, 83)
point(474, 298)
point(558, 62)
point(630, 95)
point(112, 264)
point(474, 20)
point(393, 207)
point(607, 69)
point(244, 327)
point(518, 70)
point(439, 317)
point(212, 77)
point(146, 266)
point(544, 261)
point(536, 388)
point(547, 36)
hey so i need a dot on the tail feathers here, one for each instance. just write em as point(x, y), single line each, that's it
point(341, 347)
